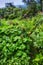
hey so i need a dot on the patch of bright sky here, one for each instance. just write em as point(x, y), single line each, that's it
point(16, 2)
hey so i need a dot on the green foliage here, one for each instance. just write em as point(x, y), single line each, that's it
point(10, 13)
point(21, 43)
point(13, 12)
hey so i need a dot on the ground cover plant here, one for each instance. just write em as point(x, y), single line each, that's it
point(21, 41)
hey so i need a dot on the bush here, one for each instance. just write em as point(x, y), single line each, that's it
point(10, 13)
point(13, 12)
point(22, 43)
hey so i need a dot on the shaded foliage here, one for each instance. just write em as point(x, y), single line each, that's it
point(13, 12)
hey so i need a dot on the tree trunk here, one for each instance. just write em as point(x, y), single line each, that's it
point(42, 5)
point(41, 2)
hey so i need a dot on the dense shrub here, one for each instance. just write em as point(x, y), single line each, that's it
point(22, 42)
point(10, 13)
point(13, 12)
